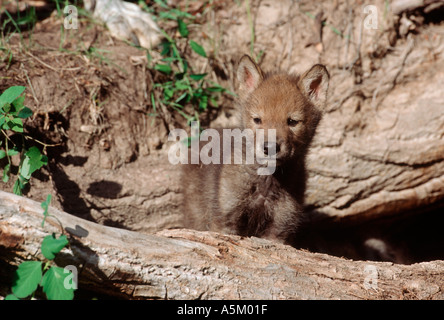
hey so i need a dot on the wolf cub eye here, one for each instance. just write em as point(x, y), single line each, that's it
point(292, 122)
point(257, 120)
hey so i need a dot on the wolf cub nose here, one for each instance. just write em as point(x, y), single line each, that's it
point(271, 148)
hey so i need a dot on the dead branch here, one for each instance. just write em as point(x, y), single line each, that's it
point(185, 264)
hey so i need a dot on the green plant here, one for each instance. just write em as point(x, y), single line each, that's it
point(12, 113)
point(27, 18)
point(56, 282)
point(183, 86)
point(22, 20)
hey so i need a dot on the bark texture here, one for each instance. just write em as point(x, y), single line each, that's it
point(184, 264)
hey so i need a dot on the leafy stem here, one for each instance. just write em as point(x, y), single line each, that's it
point(12, 113)
point(183, 87)
point(57, 283)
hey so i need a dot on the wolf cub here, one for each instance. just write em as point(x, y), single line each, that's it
point(233, 197)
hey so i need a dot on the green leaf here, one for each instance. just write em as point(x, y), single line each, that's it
point(183, 96)
point(7, 107)
point(4, 123)
point(153, 101)
point(181, 85)
point(18, 103)
point(169, 59)
point(198, 77)
point(198, 49)
point(185, 66)
point(32, 161)
point(168, 93)
point(163, 68)
point(53, 284)
point(216, 89)
point(213, 101)
point(161, 4)
point(51, 246)
point(2, 154)
point(197, 94)
point(25, 113)
point(26, 278)
point(6, 173)
point(45, 206)
point(171, 14)
point(203, 103)
point(12, 152)
point(179, 76)
point(166, 48)
point(16, 125)
point(183, 29)
point(17, 188)
point(10, 94)
point(11, 297)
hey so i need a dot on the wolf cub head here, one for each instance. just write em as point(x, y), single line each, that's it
point(290, 104)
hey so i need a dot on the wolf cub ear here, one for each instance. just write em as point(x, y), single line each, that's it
point(249, 75)
point(314, 85)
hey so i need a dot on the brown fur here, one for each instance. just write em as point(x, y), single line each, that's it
point(233, 198)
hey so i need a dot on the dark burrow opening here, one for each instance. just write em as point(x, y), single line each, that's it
point(406, 238)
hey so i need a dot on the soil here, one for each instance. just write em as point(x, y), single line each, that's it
point(93, 114)
point(90, 94)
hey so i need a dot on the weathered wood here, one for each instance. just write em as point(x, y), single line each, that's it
point(184, 264)
point(400, 6)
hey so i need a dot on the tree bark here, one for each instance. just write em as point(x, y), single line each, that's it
point(185, 264)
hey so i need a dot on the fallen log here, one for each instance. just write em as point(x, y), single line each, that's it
point(186, 264)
